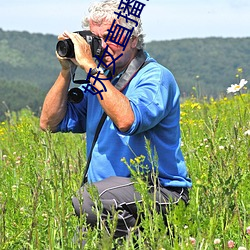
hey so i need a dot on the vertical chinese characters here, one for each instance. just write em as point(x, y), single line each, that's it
point(117, 35)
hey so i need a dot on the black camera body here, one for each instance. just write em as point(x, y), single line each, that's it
point(65, 48)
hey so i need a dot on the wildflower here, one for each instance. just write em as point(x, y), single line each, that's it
point(22, 210)
point(230, 244)
point(221, 147)
point(216, 241)
point(137, 159)
point(242, 248)
point(198, 182)
point(240, 70)
point(237, 87)
point(247, 133)
point(195, 106)
point(248, 230)
point(192, 240)
point(45, 216)
point(132, 162)
point(14, 188)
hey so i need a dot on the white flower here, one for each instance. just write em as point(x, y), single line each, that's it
point(22, 210)
point(192, 240)
point(237, 87)
point(242, 248)
point(217, 241)
point(247, 133)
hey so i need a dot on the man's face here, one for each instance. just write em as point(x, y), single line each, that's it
point(114, 49)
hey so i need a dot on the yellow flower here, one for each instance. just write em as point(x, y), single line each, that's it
point(195, 105)
point(132, 162)
point(138, 160)
point(183, 113)
point(240, 70)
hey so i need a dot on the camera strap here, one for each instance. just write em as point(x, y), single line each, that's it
point(136, 64)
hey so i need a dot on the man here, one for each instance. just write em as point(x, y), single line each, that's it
point(141, 100)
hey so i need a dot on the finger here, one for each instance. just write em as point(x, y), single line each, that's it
point(66, 33)
point(66, 59)
point(62, 36)
point(59, 57)
point(69, 34)
point(75, 37)
point(62, 58)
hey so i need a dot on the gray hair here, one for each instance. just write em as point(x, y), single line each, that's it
point(105, 9)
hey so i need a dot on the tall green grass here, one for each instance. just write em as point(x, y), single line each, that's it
point(40, 172)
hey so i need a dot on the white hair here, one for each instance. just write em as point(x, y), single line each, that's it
point(105, 9)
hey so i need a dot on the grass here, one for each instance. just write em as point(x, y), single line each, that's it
point(40, 172)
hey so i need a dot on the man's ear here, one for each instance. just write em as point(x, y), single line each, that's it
point(134, 42)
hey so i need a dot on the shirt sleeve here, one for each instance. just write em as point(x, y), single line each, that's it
point(75, 117)
point(152, 98)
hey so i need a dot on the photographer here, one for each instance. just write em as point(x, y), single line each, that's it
point(141, 100)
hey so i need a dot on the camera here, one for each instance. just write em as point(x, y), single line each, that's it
point(65, 48)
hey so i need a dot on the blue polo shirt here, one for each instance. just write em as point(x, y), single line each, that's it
point(154, 97)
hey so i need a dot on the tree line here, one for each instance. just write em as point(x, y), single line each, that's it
point(202, 67)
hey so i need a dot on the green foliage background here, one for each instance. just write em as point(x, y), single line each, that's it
point(40, 172)
point(28, 66)
point(210, 62)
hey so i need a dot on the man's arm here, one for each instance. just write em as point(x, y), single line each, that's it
point(55, 103)
point(115, 104)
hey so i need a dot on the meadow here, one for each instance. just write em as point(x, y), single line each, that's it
point(40, 172)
